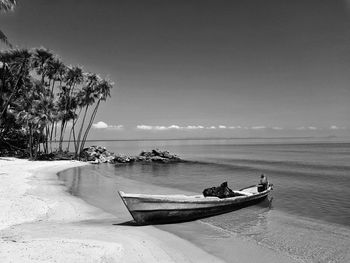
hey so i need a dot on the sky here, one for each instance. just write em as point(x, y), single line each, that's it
point(203, 68)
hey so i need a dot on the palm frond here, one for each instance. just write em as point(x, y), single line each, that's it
point(7, 5)
point(3, 38)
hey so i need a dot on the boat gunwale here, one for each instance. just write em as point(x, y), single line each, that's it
point(224, 205)
point(190, 199)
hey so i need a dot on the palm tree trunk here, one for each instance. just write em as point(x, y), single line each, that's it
point(70, 136)
point(64, 130)
point(74, 139)
point(51, 133)
point(53, 86)
point(61, 136)
point(89, 126)
point(56, 131)
point(72, 131)
point(30, 142)
point(80, 131)
point(47, 132)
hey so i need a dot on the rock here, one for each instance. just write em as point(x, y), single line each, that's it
point(166, 154)
point(109, 158)
point(159, 159)
point(159, 156)
point(102, 159)
point(140, 158)
point(98, 154)
point(156, 152)
point(123, 159)
point(91, 158)
point(96, 161)
point(146, 154)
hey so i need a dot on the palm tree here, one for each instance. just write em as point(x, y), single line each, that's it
point(102, 92)
point(74, 76)
point(14, 77)
point(32, 114)
point(56, 71)
point(5, 6)
point(47, 111)
point(18, 62)
point(41, 61)
point(87, 98)
point(29, 107)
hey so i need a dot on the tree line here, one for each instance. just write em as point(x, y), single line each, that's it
point(43, 101)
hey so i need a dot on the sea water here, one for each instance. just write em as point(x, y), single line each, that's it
point(307, 216)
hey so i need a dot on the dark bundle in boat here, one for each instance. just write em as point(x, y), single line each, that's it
point(222, 191)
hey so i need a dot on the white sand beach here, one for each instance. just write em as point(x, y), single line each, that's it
point(41, 222)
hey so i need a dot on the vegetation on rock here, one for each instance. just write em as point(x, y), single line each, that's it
point(98, 154)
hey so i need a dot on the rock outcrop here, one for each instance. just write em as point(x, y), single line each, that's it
point(98, 154)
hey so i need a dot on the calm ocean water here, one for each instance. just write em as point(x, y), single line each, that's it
point(308, 214)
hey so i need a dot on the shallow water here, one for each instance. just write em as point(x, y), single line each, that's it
point(307, 218)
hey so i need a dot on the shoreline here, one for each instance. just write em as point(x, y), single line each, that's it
point(271, 235)
point(227, 247)
point(60, 227)
point(41, 221)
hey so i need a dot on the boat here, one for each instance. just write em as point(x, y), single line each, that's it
point(160, 209)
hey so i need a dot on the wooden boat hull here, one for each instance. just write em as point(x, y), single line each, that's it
point(158, 209)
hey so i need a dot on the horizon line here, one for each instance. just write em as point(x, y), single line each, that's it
point(220, 138)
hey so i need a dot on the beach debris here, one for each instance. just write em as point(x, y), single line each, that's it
point(98, 154)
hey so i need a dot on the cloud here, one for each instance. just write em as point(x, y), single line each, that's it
point(171, 127)
point(103, 125)
point(302, 128)
point(144, 127)
point(161, 128)
point(334, 127)
point(100, 125)
point(175, 127)
point(222, 127)
point(258, 127)
point(192, 127)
